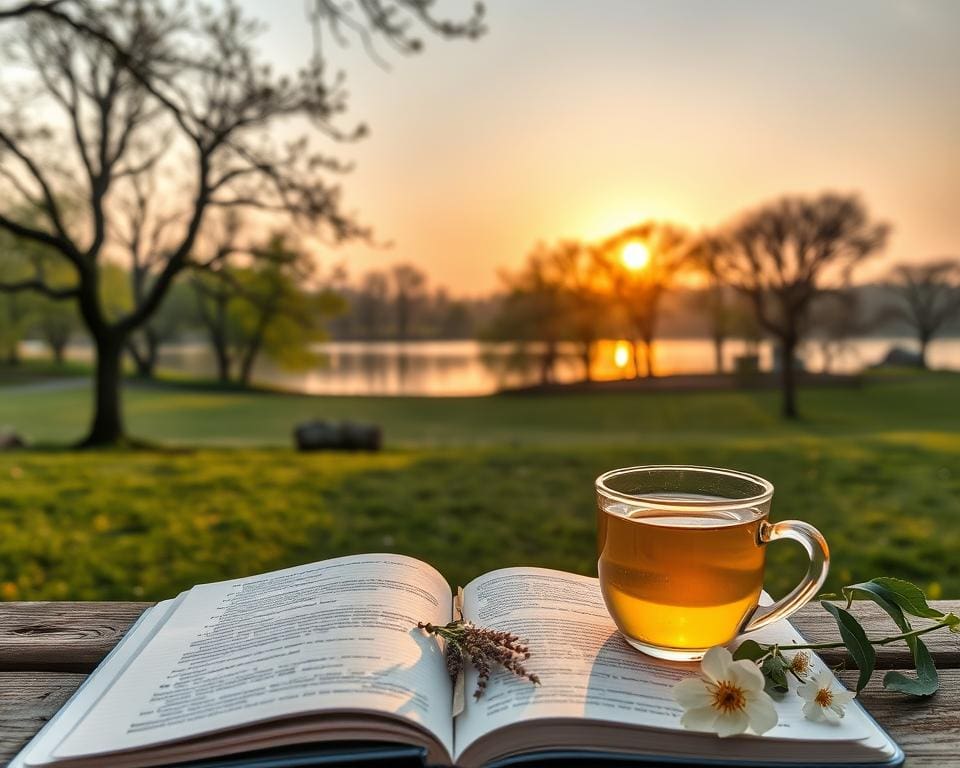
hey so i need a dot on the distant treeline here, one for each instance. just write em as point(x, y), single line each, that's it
point(438, 314)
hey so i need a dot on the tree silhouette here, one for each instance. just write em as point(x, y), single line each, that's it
point(928, 297)
point(580, 276)
point(707, 255)
point(780, 254)
point(409, 292)
point(835, 318)
point(262, 305)
point(534, 313)
point(118, 89)
point(638, 291)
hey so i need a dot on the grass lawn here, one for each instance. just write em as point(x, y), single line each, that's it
point(469, 484)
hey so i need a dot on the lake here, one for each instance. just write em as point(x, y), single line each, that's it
point(452, 368)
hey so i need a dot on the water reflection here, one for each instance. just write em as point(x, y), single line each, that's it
point(452, 368)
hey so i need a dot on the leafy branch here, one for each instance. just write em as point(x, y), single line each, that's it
point(899, 599)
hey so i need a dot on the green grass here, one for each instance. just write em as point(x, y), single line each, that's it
point(188, 415)
point(468, 484)
point(31, 371)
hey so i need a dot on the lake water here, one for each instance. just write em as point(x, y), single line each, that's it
point(450, 368)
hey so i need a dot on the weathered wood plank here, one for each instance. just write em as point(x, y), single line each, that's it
point(62, 637)
point(927, 729)
point(74, 637)
point(818, 627)
point(27, 701)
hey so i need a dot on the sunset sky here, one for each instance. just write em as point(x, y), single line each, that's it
point(573, 118)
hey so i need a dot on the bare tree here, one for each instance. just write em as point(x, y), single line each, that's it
point(142, 234)
point(638, 289)
point(578, 272)
point(707, 255)
point(781, 254)
point(835, 318)
point(928, 297)
point(372, 301)
point(409, 292)
point(140, 84)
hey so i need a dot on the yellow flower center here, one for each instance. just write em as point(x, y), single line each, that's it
point(824, 697)
point(728, 697)
point(800, 663)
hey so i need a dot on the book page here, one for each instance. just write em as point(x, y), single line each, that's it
point(586, 668)
point(338, 635)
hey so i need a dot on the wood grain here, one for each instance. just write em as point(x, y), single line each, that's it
point(817, 626)
point(928, 729)
point(61, 637)
point(27, 701)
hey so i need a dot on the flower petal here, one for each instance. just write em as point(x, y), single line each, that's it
point(762, 713)
point(837, 709)
point(829, 715)
point(813, 711)
point(808, 691)
point(747, 675)
point(825, 679)
point(699, 719)
point(715, 663)
point(691, 693)
point(843, 697)
point(730, 724)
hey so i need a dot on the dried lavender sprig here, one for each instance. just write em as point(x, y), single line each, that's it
point(483, 647)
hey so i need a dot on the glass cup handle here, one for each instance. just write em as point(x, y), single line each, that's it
point(812, 540)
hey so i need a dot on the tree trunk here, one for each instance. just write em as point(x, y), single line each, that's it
point(146, 360)
point(249, 358)
point(924, 343)
point(788, 378)
point(648, 357)
point(59, 351)
point(547, 362)
point(718, 354)
point(223, 363)
point(636, 358)
point(107, 425)
point(586, 355)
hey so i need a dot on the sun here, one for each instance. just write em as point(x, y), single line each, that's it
point(635, 255)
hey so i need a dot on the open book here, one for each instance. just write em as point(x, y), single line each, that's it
point(329, 652)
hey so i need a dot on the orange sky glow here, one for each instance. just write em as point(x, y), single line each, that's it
point(578, 118)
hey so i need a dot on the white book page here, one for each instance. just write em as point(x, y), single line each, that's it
point(586, 668)
point(337, 635)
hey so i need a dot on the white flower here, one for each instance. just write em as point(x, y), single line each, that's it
point(821, 701)
point(728, 699)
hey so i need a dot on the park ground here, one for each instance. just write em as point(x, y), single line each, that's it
point(468, 484)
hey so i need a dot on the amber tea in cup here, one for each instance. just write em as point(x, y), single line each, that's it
point(681, 555)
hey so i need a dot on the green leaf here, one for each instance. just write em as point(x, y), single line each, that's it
point(870, 590)
point(856, 641)
point(751, 650)
point(908, 596)
point(775, 671)
point(925, 683)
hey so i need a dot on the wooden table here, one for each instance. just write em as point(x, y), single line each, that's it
point(47, 649)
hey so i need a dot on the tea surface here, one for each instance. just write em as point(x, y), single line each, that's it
point(679, 579)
